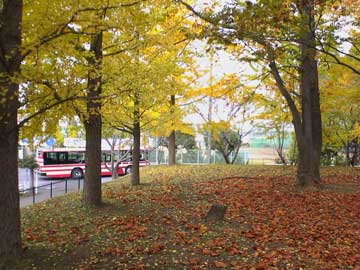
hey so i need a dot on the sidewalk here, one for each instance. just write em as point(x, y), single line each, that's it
point(53, 189)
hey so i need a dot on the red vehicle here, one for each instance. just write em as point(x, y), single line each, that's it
point(63, 163)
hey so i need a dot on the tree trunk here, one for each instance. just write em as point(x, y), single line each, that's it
point(236, 153)
point(224, 150)
point(281, 156)
point(347, 154)
point(10, 241)
point(225, 156)
point(356, 152)
point(114, 164)
point(135, 172)
point(171, 138)
point(307, 126)
point(172, 150)
point(92, 183)
point(114, 172)
point(311, 135)
point(10, 59)
point(305, 169)
point(280, 131)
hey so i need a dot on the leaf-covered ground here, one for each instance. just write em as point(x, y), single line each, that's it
point(269, 224)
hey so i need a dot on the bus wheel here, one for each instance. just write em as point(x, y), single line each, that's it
point(77, 173)
point(128, 170)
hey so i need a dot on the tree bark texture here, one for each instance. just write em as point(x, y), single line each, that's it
point(10, 239)
point(307, 124)
point(310, 139)
point(172, 148)
point(171, 138)
point(135, 172)
point(92, 183)
point(10, 60)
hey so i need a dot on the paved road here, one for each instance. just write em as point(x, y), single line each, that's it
point(52, 187)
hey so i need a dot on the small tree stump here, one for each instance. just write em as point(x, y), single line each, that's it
point(216, 213)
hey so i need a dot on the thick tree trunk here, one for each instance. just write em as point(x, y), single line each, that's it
point(316, 117)
point(308, 128)
point(171, 138)
point(311, 136)
point(10, 59)
point(305, 169)
point(135, 172)
point(10, 240)
point(172, 150)
point(92, 183)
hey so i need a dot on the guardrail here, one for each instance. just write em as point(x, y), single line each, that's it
point(35, 191)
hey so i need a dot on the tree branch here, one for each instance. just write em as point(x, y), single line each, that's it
point(286, 95)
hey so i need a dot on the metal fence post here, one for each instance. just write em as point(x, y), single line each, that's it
point(78, 183)
point(66, 185)
point(33, 193)
point(51, 191)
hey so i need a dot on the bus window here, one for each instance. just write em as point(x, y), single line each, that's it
point(63, 157)
point(50, 158)
point(106, 157)
point(76, 157)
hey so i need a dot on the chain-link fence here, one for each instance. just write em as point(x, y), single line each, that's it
point(198, 156)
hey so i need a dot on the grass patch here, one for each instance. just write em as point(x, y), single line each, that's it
point(160, 224)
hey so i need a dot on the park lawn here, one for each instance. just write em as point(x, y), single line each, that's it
point(269, 223)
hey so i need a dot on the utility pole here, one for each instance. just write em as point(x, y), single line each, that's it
point(210, 108)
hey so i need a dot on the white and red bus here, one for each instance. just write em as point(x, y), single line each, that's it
point(70, 162)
